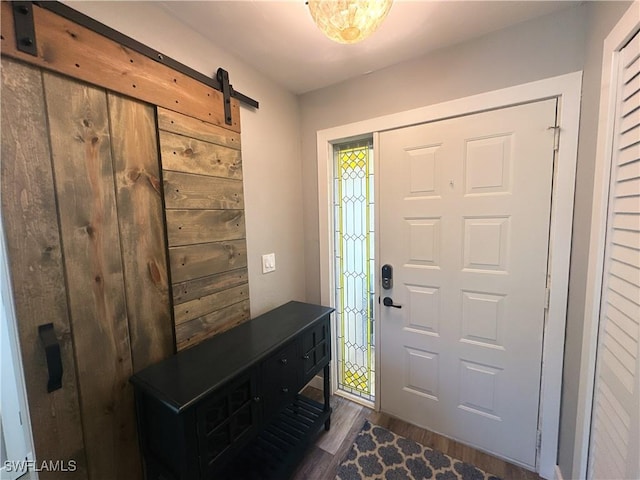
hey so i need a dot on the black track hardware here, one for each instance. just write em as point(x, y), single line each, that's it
point(128, 42)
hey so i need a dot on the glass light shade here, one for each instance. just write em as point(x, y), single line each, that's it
point(348, 21)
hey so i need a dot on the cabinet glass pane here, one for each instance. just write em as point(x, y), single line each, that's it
point(242, 421)
point(218, 441)
point(216, 413)
point(240, 396)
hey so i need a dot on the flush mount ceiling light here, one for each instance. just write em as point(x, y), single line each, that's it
point(348, 21)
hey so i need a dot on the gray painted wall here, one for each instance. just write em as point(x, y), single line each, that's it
point(560, 43)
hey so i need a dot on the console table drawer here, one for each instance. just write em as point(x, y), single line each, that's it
point(281, 377)
point(316, 350)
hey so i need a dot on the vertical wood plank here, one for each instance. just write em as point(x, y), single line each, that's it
point(137, 175)
point(81, 152)
point(30, 224)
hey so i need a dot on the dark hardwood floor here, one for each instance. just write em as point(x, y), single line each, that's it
point(324, 457)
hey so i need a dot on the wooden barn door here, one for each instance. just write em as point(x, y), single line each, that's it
point(83, 217)
point(98, 244)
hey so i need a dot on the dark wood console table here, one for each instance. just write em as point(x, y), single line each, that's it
point(229, 407)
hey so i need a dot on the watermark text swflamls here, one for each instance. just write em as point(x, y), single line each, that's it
point(43, 466)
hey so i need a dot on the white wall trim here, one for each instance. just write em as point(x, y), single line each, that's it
point(568, 89)
point(14, 392)
point(626, 27)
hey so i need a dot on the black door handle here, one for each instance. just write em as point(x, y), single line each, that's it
point(52, 352)
point(388, 302)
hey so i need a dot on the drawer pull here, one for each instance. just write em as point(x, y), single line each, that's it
point(285, 390)
point(306, 357)
point(256, 399)
point(284, 361)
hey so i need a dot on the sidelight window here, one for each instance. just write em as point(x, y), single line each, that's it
point(354, 267)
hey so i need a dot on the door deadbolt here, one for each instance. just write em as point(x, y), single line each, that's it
point(387, 277)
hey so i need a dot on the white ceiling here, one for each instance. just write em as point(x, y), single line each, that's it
point(279, 38)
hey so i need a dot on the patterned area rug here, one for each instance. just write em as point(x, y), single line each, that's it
point(378, 453)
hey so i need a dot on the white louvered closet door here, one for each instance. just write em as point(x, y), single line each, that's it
point(615, 437)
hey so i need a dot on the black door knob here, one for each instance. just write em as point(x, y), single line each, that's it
point(388, 302)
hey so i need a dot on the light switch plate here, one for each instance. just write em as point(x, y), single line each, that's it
point(268, 262)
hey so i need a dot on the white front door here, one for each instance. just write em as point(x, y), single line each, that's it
point(464, 222)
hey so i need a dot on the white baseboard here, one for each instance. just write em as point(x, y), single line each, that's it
point(558, 474)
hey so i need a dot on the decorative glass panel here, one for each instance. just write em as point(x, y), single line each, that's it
point(354, 266)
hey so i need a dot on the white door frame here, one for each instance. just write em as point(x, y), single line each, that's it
point(16, 421)
point(568, 89)
point(626, 27)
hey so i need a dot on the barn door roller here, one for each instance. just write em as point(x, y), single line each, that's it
point(223, 78)
point(25, 30)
